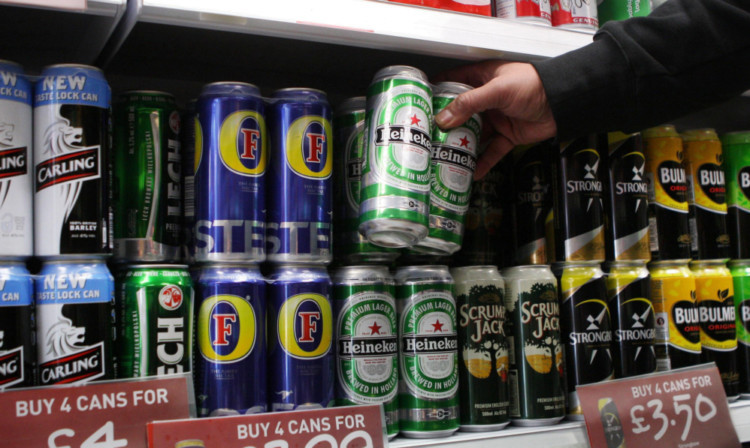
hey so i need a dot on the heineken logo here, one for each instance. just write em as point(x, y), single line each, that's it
point(13, 162)
point(429, 344)
point(390, 134)
point(11, 367)
point(458, 157)
point(364, 347)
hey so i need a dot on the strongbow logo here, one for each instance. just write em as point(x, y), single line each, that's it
point(638, 172)
point(170, 297)
point(308, 151)
point(242, 143)
point(591, 170)
point(227, 328)
point(305, 326)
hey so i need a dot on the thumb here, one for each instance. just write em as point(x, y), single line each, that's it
point(464, 106)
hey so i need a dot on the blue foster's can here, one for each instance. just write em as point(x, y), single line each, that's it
point(230, 366)
point(231, 154)
point(300, 203)
point(17, 355)
point(300, 358)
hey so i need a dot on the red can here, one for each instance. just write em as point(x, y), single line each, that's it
point(575, 14)
point(537, 11)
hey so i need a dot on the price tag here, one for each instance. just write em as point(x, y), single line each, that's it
point(109, 414)
point(344, 427)
point(78, 5)
point(685, 408)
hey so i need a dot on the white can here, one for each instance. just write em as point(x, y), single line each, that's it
point(535, 11)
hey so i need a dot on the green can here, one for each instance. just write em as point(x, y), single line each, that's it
point(736, 148)
point(622, 9)
point(395, 198)
point(367, 340)
point(147, 198)
point(155, 304)
point(428, 361)
point(454, 159)
point(740, 270)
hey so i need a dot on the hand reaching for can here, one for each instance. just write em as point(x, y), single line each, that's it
point(512, 98)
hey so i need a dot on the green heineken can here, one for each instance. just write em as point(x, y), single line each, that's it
point(740, 270)
point(147, 198)
point(428, 385)
point(350, 247)
point(483, 348)
point(155, 304)
point(367, 339)
point(395, 197)
point(454, 159)
point(736, 148)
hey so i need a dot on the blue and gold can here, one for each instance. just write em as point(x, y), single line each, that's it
point(230, 363)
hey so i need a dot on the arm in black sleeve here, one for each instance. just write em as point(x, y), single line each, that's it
point(641, 72)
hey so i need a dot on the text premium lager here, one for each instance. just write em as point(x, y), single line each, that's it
point(532, 202)
point(736, 148)
point(740, 270)
point(17, 341)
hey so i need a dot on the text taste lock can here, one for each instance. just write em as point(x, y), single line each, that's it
point(704, 167)
point(350, 246)
point(75, 320)
point(395, 199)
point(231, 156)
point(535, 347)
point(669, 234)
point(736, 149)
point(454, 159)
point(578, 199)
point(677, 341)
point(300, 205)
point(428, 361)
point(718, 330)
point(17, 341)
point(538, 11)
point(482, 348)
point(367, 340)
point(230, 361)
point(627, 207)
point(16, 179)
point(147, 183)
point(300, 357)
point(740, 270)
point(71, 162)
point(633, 318)
point(155, 305)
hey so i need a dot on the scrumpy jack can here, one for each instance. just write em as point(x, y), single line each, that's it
point(736, 148)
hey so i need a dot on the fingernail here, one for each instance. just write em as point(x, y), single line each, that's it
point(443, 117)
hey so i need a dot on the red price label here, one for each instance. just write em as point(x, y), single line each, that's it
point(345, 427)
point(97, 415)
point(686, 408)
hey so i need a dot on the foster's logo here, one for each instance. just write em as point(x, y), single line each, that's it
point(227, 329)
point(308, 146)
point(242, 143)
point(305, 326)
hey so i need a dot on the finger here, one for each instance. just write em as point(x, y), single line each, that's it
point(496, 150)
point(467, 104)
point(474, 74)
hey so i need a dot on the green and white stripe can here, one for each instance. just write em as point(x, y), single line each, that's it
point(428, 386)
point(395, 197)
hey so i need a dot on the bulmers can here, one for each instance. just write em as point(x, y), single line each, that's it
point(736, 148)
point(147, 193)
point(71, 162)
point(535, 349)
point(16, 180)
point(155, 305)
point(300, 320)
point(428, 385)
point(482, 348)
point(300, 205)
point(740, 270)
point(17, 341)
point(75, 321)
point(704, 166)
point(395, 198)
point(718, 329)
point(231, 156)
point(669, 235)
point(367, 340)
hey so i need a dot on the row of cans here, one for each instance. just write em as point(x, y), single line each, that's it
point(566, 14)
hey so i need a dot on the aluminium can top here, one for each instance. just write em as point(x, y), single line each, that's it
point(10, 64)
point(146, 93)
point(230, 88)
point(400, 71)
point(699, 135)
point(354, 104)
point(156, 266)
point(735, 138)
point(362, 275)
point(664, 131)
point(299, 94)
point(450, 88)
point(80, 66)
point(423, 274)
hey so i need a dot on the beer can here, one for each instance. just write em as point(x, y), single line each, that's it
point(395, 197)
point(428, 384)
point(538, 12)
point(16, 209)
point(300, 203)
point(704, 166)
point(669, 235)
point(577, 184)
point(350, 246)
point(72, 162)
point(231, 156)
point(300, 318)
point(367, 340)
point(740, 270)
point(575, 14)
point(622, 9)
point(155, 305)
point(718, 329)
point(678, 341)
point(454, 159)
point(17, 341)
point(230, 363)
point(75, 321)
point(189, 125)
point(627, 204)
point(147, 198)
point(633, 318)
point(611, 423)
point(532, 202)
point(586, 327)
point(535, 348)
point(482, 348)
point(736, 148)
